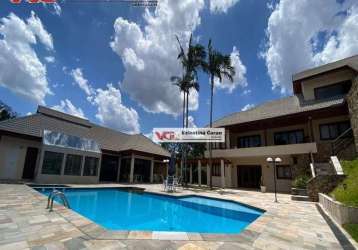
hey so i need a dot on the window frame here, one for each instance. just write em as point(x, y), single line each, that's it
point(247, 141)
point(71, 169)
point(44, 160)
point(84, 166)
point(288, 134)
point(346, 85)
point(216, 168)
point(278, 177)
point(329, 126)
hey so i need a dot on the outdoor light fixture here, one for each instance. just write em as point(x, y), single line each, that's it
point(274, 162)
point(166, 161)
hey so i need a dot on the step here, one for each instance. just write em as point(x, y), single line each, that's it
point(299, 191)
point(300, 198)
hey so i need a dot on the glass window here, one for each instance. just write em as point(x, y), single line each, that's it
point(283, 172)
point(333, 130)
point(52, 163)
point(91, 166)
point(73, 165)
point(69, 141)
point(332, 90)
point(249, 141)
point(289, 137)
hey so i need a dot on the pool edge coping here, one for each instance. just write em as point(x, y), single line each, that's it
point(98, 232)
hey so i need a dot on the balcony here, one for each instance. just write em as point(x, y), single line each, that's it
point(290, 149)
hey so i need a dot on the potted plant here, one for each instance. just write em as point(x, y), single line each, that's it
point(262, 186)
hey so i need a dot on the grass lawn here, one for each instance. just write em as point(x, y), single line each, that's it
point(352, 229)
point(347, 192)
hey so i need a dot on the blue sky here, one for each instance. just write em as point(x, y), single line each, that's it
point(111, 62)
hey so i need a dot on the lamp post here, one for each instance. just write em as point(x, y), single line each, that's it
point(274, 161)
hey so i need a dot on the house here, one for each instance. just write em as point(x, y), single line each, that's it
point(306, 128)
point(53, 147)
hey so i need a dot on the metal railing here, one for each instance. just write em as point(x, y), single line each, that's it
point(55, 193)
point(342, 141)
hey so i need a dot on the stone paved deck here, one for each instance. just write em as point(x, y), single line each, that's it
point(26, 224)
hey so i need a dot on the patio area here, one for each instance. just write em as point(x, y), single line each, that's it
point(26, 224)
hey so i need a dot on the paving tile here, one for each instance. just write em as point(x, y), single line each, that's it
point(169, 236)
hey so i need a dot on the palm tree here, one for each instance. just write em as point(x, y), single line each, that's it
point(217, 66)
point(191, 60)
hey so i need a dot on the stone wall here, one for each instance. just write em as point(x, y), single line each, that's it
point(352, 99)
point(323, 184)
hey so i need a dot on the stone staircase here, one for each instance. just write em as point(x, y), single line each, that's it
point(325, 177)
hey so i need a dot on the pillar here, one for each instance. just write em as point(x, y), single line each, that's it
point(132, 169)
point(191, 173)
point(208, 170)
point(151, 170)
point(222, 163)
point(199, 173)
point(119, 169)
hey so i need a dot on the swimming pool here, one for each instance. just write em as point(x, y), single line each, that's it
point(119, 209)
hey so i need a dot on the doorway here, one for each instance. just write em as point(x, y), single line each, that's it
point(109, 168)
point(248, 176)
point(30, 163)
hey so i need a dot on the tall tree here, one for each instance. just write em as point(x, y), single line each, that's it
point(217, 66)
point(6, 112)
point(191, 59)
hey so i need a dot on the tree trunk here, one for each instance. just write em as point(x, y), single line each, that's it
point(183, 148)
point(186, 145)
point(211, 124)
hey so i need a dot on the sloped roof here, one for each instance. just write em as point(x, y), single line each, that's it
point(108, 139)
point(351, 62)
point(282, 107)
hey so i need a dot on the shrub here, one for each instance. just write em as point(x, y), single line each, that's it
point(300, 181)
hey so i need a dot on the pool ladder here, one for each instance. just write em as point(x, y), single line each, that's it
point(55, 193)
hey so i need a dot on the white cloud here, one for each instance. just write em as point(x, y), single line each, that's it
point(21, 70)
point(221, 6)
point(112, 113)
point(248, 107)
point(149, 54)
point(66, 106)
point(304, 34)
point(54, 8)
point(81, 81)
point(240, 72)
point(246, 92)
point(50, 59)
point(191, 123)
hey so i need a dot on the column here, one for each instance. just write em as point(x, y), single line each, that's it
point(199, 173)
point(132, 169)
point(222, 173)
point(191, 173)
point(208, 170)
point(119, 169)
point(227, 138)
point(151, 170)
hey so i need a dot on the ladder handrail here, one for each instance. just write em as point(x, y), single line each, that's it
point(53, 195)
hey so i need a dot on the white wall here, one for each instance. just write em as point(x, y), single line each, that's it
point(12, 156)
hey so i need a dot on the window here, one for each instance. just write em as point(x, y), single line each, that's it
point(73, 165)
point(249, 141)
point(91, 166)
point(283, 172)
point(69, 141)
point(332, 90)
point(52, 163)
point(333, 130)
point(289, 137)
point(217, 170)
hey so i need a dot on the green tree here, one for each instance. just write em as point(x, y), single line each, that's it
point(191, 59)
point(217, 66)
point(6, 112)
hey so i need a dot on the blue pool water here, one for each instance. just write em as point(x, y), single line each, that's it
point(118, 209)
